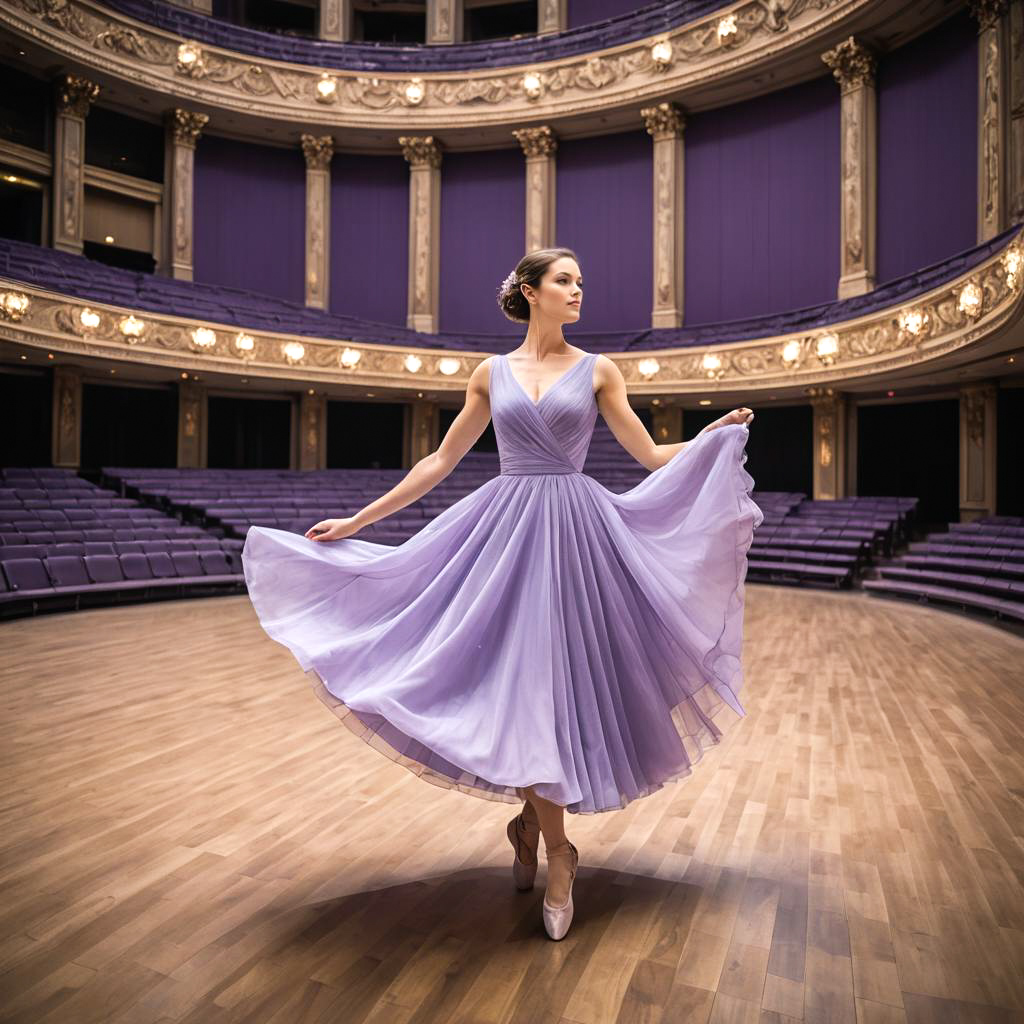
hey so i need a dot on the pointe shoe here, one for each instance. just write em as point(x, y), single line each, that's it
point(558, 919)
point(525, 838)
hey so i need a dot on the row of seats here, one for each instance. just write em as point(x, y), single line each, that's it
point(977, 566)
point(53, 582)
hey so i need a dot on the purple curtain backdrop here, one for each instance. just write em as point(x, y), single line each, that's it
point(483, 227)
point(762, 204)
point(604, 197)
point(250, 216)
point(586, 12)
point(927, 148)
point(370, 237)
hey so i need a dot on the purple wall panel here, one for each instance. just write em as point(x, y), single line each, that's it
point(250, 204)
point(483, 224)
point(927, 148)
point(603, 192)
point(762, 204)
point(586, 12)
point(370, 237)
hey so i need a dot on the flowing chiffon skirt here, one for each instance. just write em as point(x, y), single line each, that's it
point(541, 631)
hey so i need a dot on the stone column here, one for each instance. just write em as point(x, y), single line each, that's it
point(977, 451)
point(72, 98)
point(829, 427)
point(539, 146)
point(335, 20)
point(853, 67)
point(665, 123)
point(424, 155)
point(183, 128)
point(993, 115)
point(312, 430)
point(67, 416)
point(552, 16)
point(423, 430)
point(192, 425)
point(318, 151)
point(667, 424)
point(444, 21)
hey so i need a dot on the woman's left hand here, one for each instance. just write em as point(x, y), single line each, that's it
point(741, 415)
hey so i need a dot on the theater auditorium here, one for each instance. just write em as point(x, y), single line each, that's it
point(417, 412)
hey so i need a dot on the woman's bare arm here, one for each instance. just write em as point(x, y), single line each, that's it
point(628, 428)
point(426, 474)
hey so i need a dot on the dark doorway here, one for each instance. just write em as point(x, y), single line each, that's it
point(911, 450)
point(26, 414)
point(124, 425)
point(248, 433)
point(365, 435)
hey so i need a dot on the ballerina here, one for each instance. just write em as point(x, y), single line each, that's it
point(543, 640)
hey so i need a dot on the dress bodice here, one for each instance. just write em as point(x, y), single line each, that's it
point(551, 435)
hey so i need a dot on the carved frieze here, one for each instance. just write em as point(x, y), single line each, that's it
point(760, 30)
point(874, 344)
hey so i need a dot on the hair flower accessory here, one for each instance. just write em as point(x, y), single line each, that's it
point(508, 285)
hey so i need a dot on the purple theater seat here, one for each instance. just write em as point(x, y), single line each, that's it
point(160, 564)
point(66, 570)
point(66, 536)
point(136, 567)
point(214, 563)
point(103, 568)
point(10, 537)
point(98, 547)
point(126, 547)
point(8, 551)
point(38, 537)
point(27, 574)
point(187, 563)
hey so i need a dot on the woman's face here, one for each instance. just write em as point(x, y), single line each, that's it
point(559, 294)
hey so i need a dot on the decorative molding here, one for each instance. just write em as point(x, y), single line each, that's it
point(74, 95)
point(663, 120)
point(318, 150)
point(538, 141)
point(852, 64)
point(186, 126)
point(113, 44)
point(987, 12)
point(945, 321)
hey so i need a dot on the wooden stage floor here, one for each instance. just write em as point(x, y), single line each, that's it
point(189, 835)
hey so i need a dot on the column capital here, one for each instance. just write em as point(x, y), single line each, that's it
point(987, 12)
point(74, 94)
point(186, 125)
point(317, 150)
point(852, 63)
point(539, 141)
point(665, 120)
point(421, 150)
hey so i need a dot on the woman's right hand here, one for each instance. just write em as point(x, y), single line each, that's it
point(332, 529)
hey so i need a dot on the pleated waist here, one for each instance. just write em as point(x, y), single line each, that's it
point(540, 472)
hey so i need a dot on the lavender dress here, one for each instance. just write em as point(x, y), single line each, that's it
point(542, 630)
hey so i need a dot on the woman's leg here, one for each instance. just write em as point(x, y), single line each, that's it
point(552, 826)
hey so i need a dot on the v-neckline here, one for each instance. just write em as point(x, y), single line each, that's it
point(558, 380)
